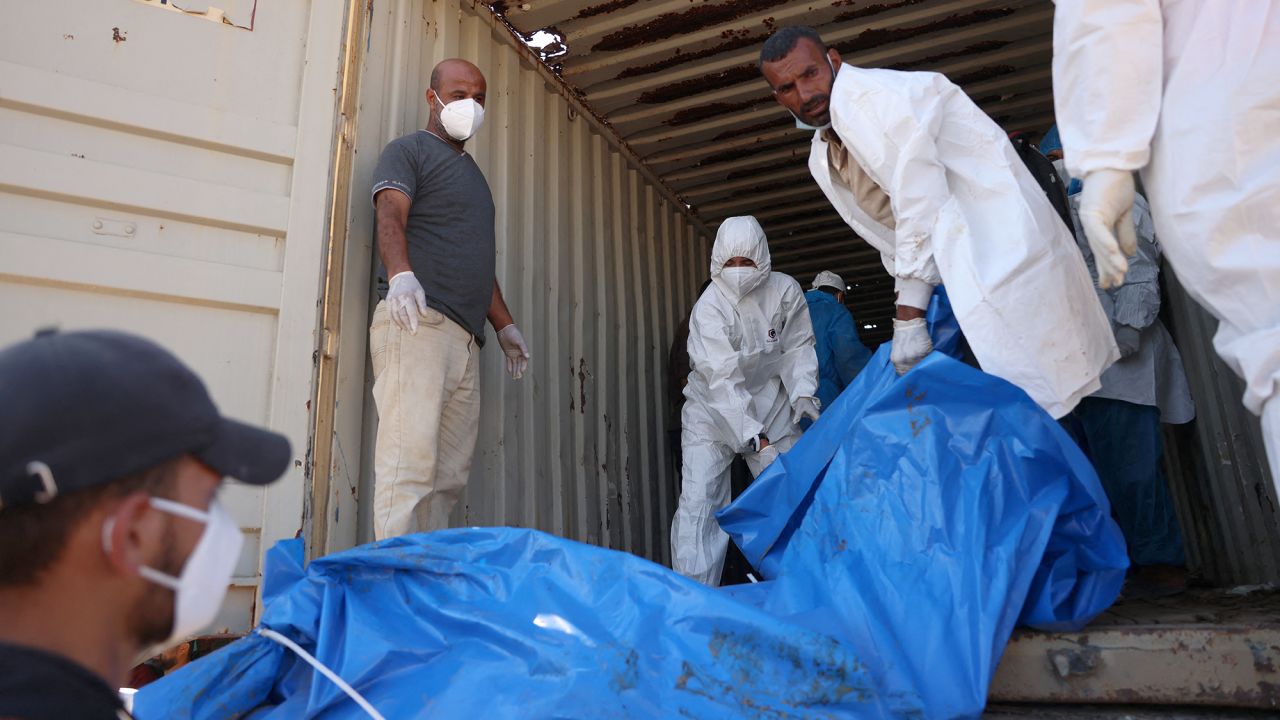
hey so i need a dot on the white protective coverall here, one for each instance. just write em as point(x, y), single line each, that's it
point(969, 216)
point(751, 354)
point(1189, 93)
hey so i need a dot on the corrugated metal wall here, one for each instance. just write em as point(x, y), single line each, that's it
point(1226, 500)
point(598, 266)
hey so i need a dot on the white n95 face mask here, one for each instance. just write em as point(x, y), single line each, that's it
point(199, 591)
point(738, 281)
point(461, 118)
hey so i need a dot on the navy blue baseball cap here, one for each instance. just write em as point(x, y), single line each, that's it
point(81, 409)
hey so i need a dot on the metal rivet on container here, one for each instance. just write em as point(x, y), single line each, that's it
point(130, 228)
point(97, 224)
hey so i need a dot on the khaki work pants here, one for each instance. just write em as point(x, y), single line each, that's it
point(426, 388)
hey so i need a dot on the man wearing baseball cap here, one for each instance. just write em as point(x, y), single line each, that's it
point(112, 539)
point(841, 355)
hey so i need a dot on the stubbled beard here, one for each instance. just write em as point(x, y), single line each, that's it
point(151, 619)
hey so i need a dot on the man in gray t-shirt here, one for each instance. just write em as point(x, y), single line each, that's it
point(435, 234)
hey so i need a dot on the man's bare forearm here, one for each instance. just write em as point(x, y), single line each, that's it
point(393, 247)
point(499, 315)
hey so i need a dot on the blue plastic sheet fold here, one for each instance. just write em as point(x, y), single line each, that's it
point(511, 623)
point(904, 536)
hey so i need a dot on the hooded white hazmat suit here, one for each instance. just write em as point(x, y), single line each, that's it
point(1189, 93)
point(968, 215)
point(751, 354)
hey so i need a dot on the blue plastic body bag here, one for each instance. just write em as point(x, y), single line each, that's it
point(951, 506)
point(511, 623)
point(1080, 569)
point(944, 328)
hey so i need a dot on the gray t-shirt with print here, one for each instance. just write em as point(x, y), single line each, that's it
point(450, 231)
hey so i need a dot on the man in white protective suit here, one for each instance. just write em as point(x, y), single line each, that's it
point(917, 170)
point(753, 377)
point(1188, 93)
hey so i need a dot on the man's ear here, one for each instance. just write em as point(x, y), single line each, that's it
point(834, 55)
point(126, 534)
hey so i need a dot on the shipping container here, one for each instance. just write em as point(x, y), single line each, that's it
point(202, 176)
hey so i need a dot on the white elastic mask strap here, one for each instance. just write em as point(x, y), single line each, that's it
point(159, 578)
point(323, 670)
point(173, 508)
point(147, 573)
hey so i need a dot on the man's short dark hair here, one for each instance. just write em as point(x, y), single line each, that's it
point(33, 536)
point(829, 290)
point(784, 41)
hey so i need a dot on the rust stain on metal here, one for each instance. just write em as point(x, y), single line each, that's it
point(984, 73)
point(784, 219)
point(739, 153)
point(1263, 661)
point(679, 23)
point(869, 10)
point(705, 83)
point(604, 8)
point(762, 170)
point(752, 129)
point(679, 58)
point(876, 37)
point(582, 384)
point(985, 46)
point(118, 36)
point(702, 112)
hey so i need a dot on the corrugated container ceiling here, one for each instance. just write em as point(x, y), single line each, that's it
point(677, 81)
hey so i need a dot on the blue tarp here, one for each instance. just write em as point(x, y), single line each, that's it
point(511, 623)
point(946, 420)
point(947, 509)
point(905, 534)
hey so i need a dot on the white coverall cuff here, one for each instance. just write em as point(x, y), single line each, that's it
point(914, 293)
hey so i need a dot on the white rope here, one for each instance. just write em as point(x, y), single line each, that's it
point(364, 704)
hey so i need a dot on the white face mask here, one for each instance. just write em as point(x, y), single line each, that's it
point(738, 281)
point(203, 585)
point(461, 118)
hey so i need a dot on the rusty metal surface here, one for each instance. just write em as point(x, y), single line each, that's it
point(677, 81)
point(598, 265)
point(1041, 711)
point(1216, 465)
point(1204, 648)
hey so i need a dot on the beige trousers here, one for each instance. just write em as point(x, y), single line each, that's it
point(426, 388)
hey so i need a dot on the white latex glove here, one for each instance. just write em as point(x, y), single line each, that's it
point(911, 342)
point(1106, 213)
point(407, 301)
point(767, 456)
point(805, 407)
point(517, 352)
